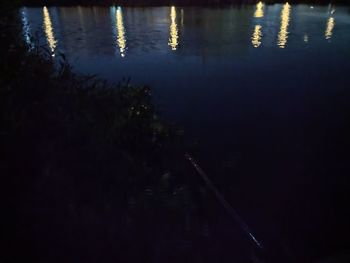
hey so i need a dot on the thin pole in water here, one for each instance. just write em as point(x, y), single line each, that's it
point(224, 203)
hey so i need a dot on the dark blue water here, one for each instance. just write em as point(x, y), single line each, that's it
point(263, 91)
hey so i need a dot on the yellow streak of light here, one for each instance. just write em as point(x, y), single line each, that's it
point(174, 36)
point(330, 26)
point(50, 37)
point(257, 35)
point(121, 40)
point(285, 18)
point(259, 12)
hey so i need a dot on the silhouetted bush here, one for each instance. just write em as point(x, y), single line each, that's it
point(88, 166)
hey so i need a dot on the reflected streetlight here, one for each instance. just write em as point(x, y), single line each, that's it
point(329, 29)
point(259, 12)
point(174, 35)
point(257, 33)
point(285, 18)
point(26, 28)
point(257, 36)
point(121, 40)
point(48, 28)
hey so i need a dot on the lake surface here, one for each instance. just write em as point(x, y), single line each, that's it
point(262, 89)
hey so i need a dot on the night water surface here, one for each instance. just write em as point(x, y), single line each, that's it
point(262, 90)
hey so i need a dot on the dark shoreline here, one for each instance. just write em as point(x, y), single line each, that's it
point(144, 3)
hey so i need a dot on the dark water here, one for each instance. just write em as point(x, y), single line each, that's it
point(263, 90)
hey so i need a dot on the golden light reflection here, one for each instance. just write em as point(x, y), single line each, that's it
point(330, 26)
point(121, 40)
point(259, 12)
point(50, 37)
point(174, 36)
point(285, 18)
point(257, 35)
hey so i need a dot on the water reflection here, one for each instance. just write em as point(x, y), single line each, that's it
point(81, 18)
point(285, 18)
point(50, 37)
point(121, 40)
point(257, 35)
point(259, 12)
point(207, 33)
point(26, 28)
point(330, 26)
point(174, 36)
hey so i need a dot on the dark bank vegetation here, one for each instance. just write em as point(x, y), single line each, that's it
point(89, 170)
point(172, 2)
point(91, 173)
